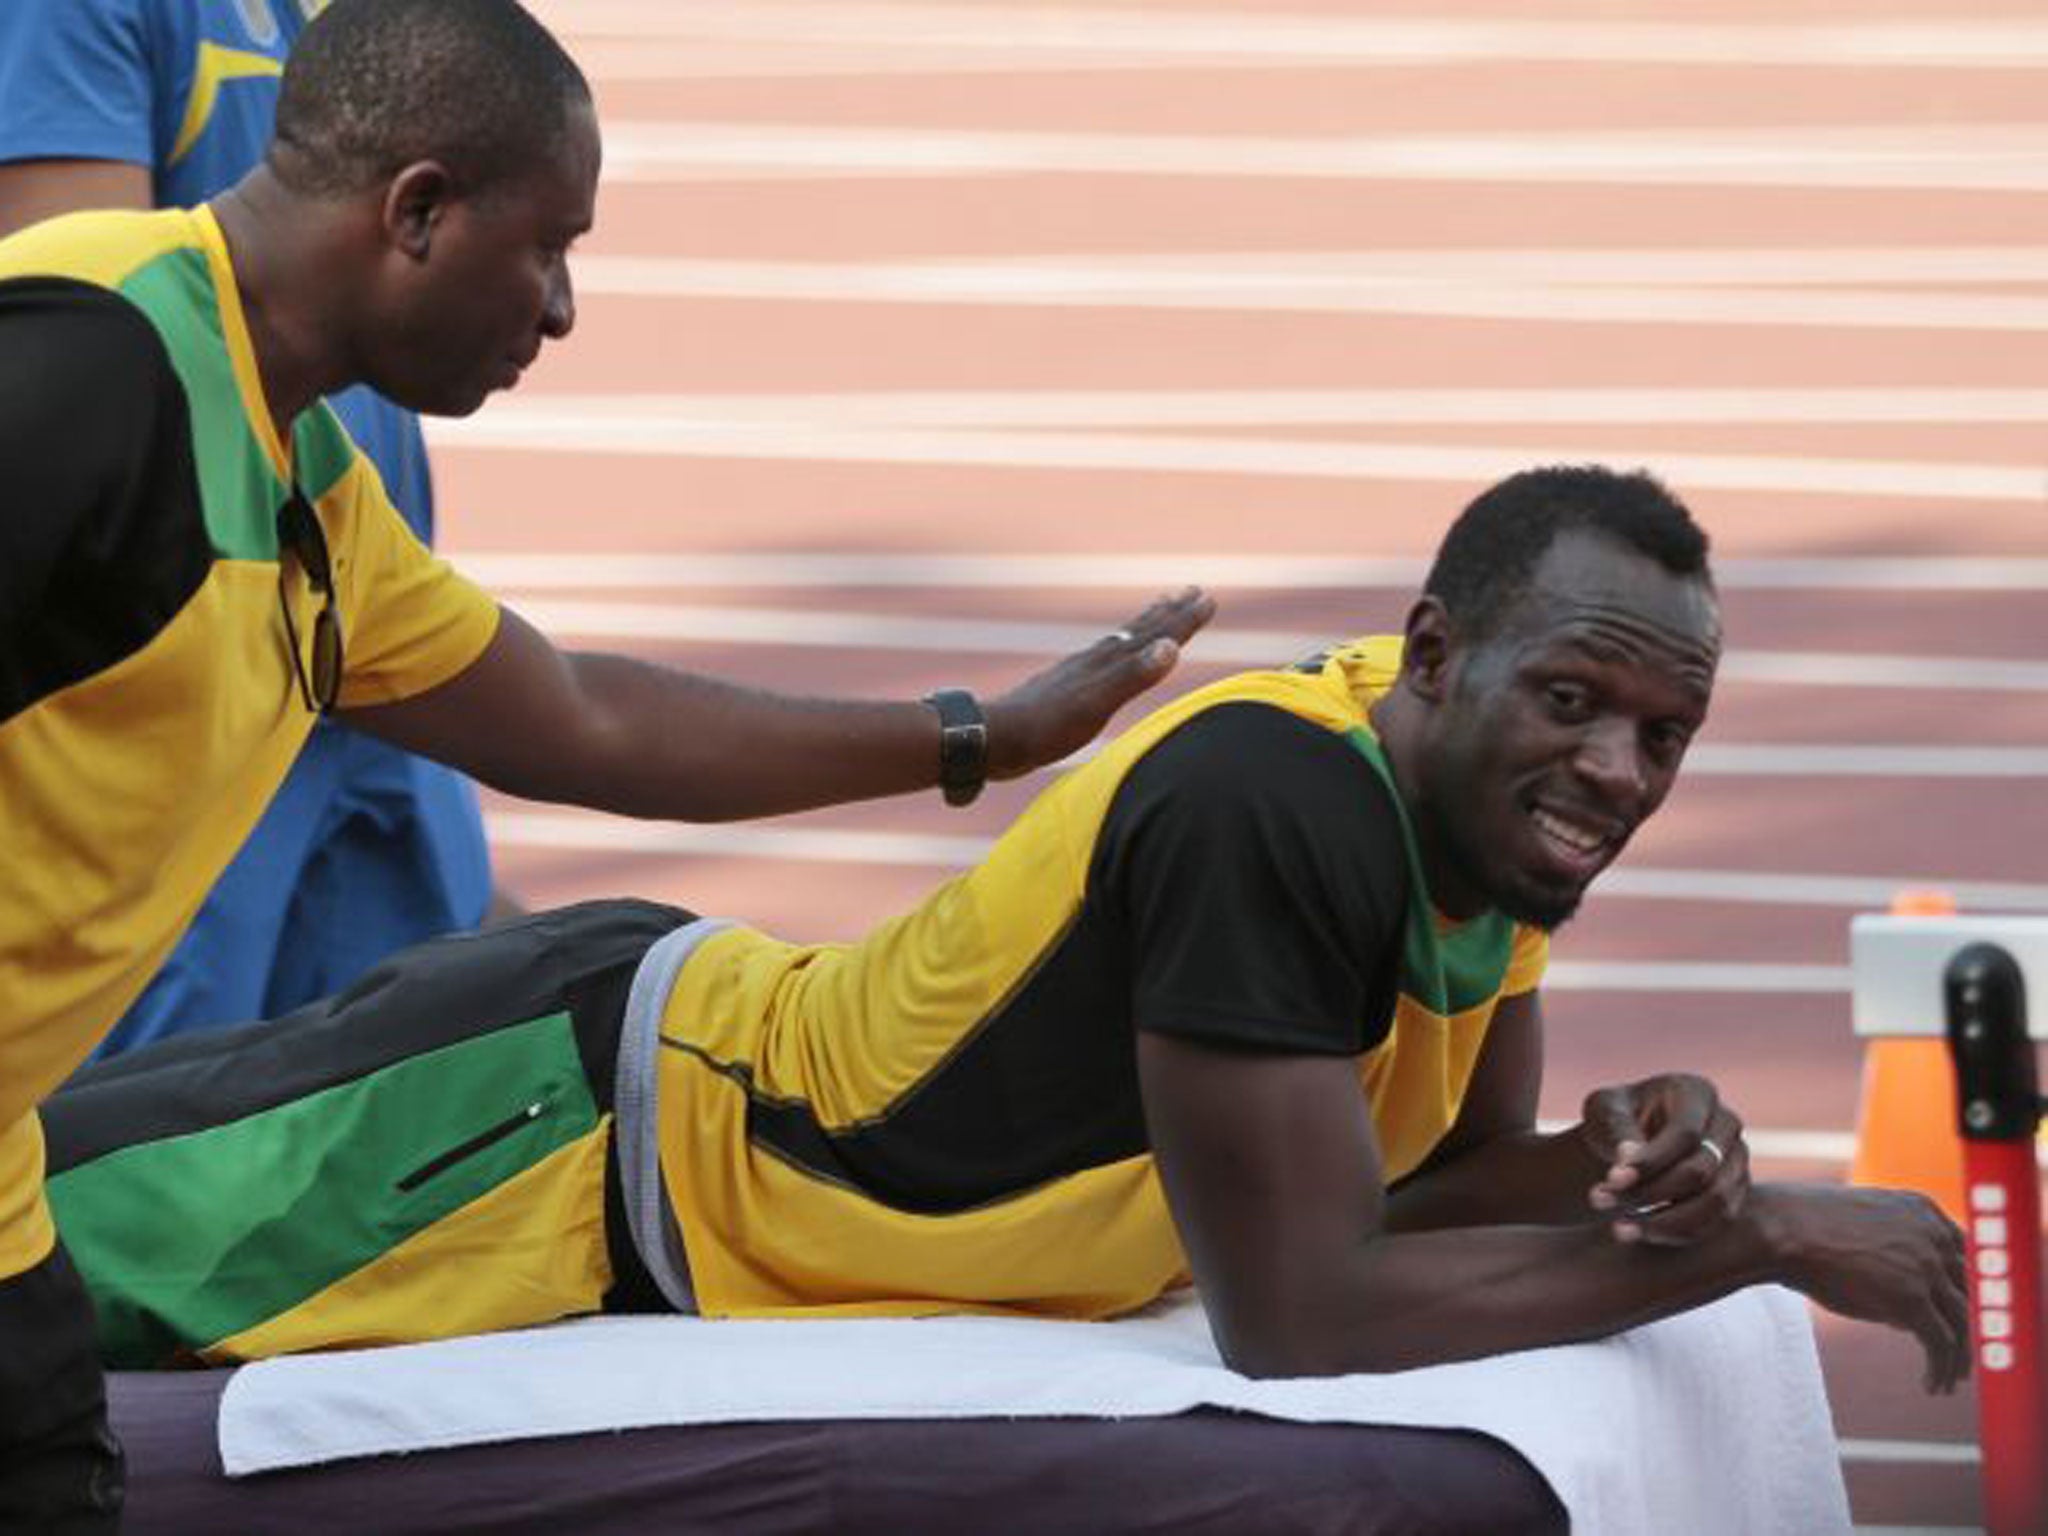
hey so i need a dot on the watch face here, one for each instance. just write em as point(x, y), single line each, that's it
point(259, 21)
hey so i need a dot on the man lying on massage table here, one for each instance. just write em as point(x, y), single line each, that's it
point(1251, 994)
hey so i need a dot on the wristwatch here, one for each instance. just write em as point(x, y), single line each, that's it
point(963, 744)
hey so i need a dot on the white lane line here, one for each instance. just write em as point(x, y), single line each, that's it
point(951, 851)
point(1095, 408)
point(1911, 573)
point(613, 59)
point(1842, 669)
point(1785, 1145)
point(1554, 266)
point(839, 629)
point(1947, 1453)
point(823, 845)
point(1009, 285)
point(1010, 37)
point(1862, 893)
point(511, 427)
point(1801, 1146)
point(1667, 976)
point(532, 571)
point(1865, 760)
point(1980, 157)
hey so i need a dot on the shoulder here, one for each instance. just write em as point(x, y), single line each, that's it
point(1253, 795)
point(97, 430)
point(1255, 861)
point(153, 257)
point(1244, 754)
point(66, 328)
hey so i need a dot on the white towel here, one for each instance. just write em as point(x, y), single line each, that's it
point(1713, 1421)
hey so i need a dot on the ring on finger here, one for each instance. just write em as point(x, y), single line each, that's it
point(1713, 1148)
point(1123, 636)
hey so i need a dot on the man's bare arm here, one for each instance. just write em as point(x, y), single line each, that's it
point(1273, 1173)
point(1494, 1166)
point(644, 740)
point(1636, 1159)
point(34, 190)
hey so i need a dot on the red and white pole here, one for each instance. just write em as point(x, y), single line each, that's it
point(1999, 1105)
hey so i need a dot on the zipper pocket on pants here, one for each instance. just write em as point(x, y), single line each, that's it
point(461, 1151)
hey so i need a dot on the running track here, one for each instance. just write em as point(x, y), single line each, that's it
point(920, 340)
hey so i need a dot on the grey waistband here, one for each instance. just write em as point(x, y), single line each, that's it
point(637, 1124)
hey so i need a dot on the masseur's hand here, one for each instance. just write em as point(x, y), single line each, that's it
point(1882, 1255)
point(1062, 709)
point(1677, 1169)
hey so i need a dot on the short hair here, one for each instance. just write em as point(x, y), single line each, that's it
point(1486, 559)
point(371, 86)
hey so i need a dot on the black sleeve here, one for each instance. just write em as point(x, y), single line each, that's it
point(101, 499)
point(1254, 862)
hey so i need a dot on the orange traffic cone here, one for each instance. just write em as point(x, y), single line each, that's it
point(1906, 1135)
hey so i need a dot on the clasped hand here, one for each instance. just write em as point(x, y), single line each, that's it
point(1675, 1166)
point(1675, 1170)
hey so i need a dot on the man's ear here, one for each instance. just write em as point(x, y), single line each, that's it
point(1426, 650)
point(414, 202)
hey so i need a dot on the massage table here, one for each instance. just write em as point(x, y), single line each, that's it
point(1715, 1420)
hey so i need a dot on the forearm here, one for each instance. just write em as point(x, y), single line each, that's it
point(1271, 1167)
point(656, 742)
point(1407, 1299)
point(34, 190)
point(1523, 1177)
point(627, 736)
point(641, 740)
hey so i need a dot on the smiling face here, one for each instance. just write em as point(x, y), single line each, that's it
point(1547, 743)
point(480, 281)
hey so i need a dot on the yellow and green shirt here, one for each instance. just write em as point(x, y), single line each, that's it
point(945, 1116)
point(148, 702)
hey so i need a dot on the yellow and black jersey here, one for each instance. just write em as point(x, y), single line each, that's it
point(149, 705)
point(946, 1115)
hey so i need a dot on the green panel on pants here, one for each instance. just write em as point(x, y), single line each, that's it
point(298, 1196)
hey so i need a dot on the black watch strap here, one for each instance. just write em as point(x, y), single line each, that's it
point(963, 744)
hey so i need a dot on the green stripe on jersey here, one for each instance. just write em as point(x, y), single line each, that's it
point(321, 450)
point(1445, 972)
point(239, 490)
point(319, 1186)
